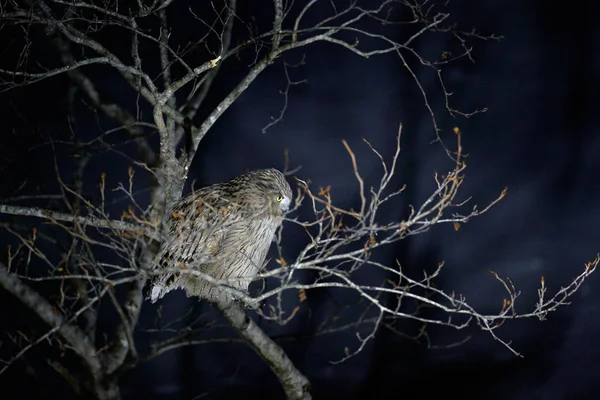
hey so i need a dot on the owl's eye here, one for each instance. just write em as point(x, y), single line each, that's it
point(279, 199)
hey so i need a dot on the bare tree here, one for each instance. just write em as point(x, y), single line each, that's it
point(73, 256)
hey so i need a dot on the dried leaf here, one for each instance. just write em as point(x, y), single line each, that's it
point(302, 295)
point(214, 62)
point(324, 191)
point(281, 261)
point(372, 241)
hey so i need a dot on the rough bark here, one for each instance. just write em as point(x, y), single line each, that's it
point(295, 385)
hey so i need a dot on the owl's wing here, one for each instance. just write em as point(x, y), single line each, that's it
point(196, 229)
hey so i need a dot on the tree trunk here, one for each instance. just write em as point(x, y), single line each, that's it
point(102, 388)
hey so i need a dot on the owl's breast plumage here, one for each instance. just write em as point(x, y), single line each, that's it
point(264, 231)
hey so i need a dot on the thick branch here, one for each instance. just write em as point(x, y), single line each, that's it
point(38, 304)
point(132, 75)
point(111, 110)
point(196, 99)
point(81, 220)
point(124, 343)
point(165, 63)
point(224, 105)
point(294, 383)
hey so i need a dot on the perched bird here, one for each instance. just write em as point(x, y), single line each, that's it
point(225, 231)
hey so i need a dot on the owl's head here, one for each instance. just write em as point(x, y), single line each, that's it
point(278, 190)
point(275, 189)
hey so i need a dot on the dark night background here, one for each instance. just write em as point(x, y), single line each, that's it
point(539, 138)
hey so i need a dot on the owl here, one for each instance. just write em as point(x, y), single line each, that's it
point(225, 231)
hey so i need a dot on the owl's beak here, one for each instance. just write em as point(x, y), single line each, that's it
point(285, 204)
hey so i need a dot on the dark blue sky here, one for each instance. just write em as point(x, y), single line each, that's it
point(538, 138)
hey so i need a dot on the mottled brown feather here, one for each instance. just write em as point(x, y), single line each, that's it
point(224, 230)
